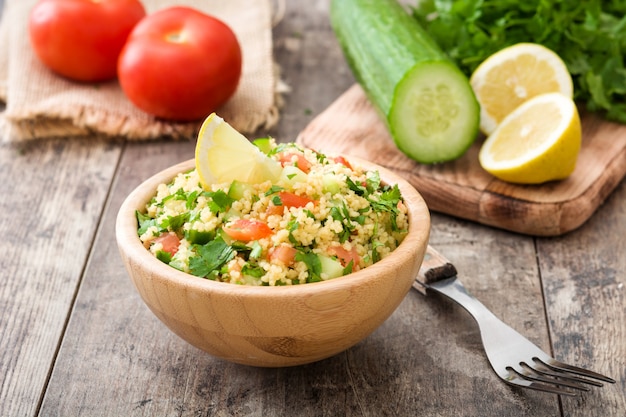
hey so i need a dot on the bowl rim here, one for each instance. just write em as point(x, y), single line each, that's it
point(131, 246)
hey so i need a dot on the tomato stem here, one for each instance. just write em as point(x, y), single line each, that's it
point(176, 37)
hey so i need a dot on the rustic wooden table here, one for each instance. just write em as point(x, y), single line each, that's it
point(76, 340)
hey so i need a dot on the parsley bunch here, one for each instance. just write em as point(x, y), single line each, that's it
point(589, 35)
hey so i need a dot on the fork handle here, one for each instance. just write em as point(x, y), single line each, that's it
point(435, 267)
point(439, 274)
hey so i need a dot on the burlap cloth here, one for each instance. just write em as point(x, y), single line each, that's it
point(40, 104)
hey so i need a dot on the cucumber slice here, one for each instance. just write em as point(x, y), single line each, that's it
point(425, 100)
point(433, 116)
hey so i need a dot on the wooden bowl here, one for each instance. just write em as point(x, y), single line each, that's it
point(273, 326)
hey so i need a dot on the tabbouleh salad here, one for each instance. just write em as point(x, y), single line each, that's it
point(320, 220)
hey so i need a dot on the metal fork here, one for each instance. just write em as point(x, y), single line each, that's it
point(515, 359)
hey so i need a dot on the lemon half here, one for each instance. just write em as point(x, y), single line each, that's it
point(224, 155)
point(538, 142)
point(513, 75)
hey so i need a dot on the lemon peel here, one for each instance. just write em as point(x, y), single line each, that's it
point(538, 142)
point(514, 75)
point(224, 155)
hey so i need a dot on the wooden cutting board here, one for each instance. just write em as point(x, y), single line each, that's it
point(461, 188)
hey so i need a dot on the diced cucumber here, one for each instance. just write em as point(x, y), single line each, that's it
point(220, 233)
point(331, 183)
point(231, 213)
point(426, 101)
point(237, 189)
point(292, 175)
point(199, 237)
point(264, 144)
point(331, 267)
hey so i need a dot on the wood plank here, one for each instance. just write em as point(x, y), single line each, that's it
point(52, 197)
point(461, 188)
point(118, 359)
point(584, 281)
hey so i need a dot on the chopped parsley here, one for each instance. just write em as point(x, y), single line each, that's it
point(220, 201)
point(313, 265)
point(210, 258)
point(589, 35)
point(145, 222)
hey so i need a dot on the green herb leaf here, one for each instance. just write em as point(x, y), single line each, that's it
point(210, 257)
point(357, 188)
point(589, 35)
point(252, 270)
point(220, 201)
point(277, 201)
point(274, 189)
point(313, 264)
point(145, 222)
point(255, 250)
point(164, 256)
point(174, 223)
point(292, 226)
point(348, 268)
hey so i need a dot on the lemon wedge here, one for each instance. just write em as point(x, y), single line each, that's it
point(538, 142)
point(513, 75)
point(224, 155)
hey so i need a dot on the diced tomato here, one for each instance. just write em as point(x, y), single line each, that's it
point(287, 158)
point(294, 200)
point(289, 200)
point(345, 256)
point(274, 210)
point(169, 241)
point(343, 161)
point(283, 253)
point(246, 230)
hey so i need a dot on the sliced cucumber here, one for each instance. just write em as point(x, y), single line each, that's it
point(426, 101)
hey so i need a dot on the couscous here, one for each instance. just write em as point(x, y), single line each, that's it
point(320, 220)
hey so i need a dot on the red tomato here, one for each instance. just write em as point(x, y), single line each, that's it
point(283, 253)
point(82, 39)
point(289, 200)
point(286, 158)
point(345, 256)
point(246, 230)
point(293, 200)
point(343, 161)
point(170, 242)
point(180, 64)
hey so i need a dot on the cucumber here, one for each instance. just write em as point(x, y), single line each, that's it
point(238, 189)
point(331, 267)
point(200, 238)
point(292, 175)
point(426, 101)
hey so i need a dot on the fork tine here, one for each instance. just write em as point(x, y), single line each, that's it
point(552, 377)
point(560, 366)
point(542, 368)
point(520, 381)
point(504, 345)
